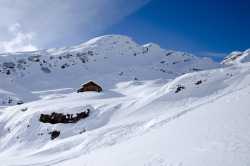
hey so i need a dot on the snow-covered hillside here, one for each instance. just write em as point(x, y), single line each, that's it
point(157, 107)
point(237, 57)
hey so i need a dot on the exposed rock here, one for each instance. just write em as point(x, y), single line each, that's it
point(65, 65)
point(10, 65)
point(7, 100)
point(19, 102)
point(198, 82)
point(54, 117)
point(193, 69)
point(179, 88)
point(67, 56)
point(34, 58)
point(83, 57)
point(54, 134)
point(8, 72)
point(24, 109)
point(169, 53)
point(45, 69)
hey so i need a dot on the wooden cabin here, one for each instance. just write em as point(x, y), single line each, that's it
point(90, 86)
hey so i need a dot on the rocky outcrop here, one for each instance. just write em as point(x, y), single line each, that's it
point(54, 117)
point(54, 134)
point(179, 88)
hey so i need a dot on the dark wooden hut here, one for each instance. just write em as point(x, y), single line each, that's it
point(90, 86)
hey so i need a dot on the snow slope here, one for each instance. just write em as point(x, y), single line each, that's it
point(140, 121)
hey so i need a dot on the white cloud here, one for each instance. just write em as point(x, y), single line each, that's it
point(63, 22)
point(14, 28)
point(19, 42)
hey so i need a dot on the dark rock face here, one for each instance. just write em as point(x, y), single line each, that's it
point(24, 109)
point(54, 134)
point(198, 82)
point(10, 65)
point(54, 118)
point(8, 100)
point(34, 58)
point(19, 102)
point(67, 56)
point(21, 64)
point(196, 69)
point(65, 65)
point(8, 72)
point(45, 69)
point(83, 57)
point(179, 88)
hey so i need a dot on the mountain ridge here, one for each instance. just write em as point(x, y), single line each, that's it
point(120, 53)
point(237, 57)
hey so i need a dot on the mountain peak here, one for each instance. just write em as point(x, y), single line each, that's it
point(107, 39)
point(237, 57)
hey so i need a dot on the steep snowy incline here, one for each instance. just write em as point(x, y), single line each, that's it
point(111, 56)
point(138, 122)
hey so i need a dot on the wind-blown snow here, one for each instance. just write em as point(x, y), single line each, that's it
point(138, 118)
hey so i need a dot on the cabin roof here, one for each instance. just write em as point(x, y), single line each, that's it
point(92, 83)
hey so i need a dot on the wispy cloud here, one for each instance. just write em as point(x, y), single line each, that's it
point(62, 22)
point(213, 54)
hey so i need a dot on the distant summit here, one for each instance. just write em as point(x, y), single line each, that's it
point(237, 57)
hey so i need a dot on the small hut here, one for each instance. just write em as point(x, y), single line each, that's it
point(90, 86)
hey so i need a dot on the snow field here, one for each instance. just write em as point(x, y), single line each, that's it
point(133, 124)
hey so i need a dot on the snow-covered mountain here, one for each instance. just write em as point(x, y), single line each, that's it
point(111, 55)
point(237, 57)
point(157, 107)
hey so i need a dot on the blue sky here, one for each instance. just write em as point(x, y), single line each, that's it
point(204, 28)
